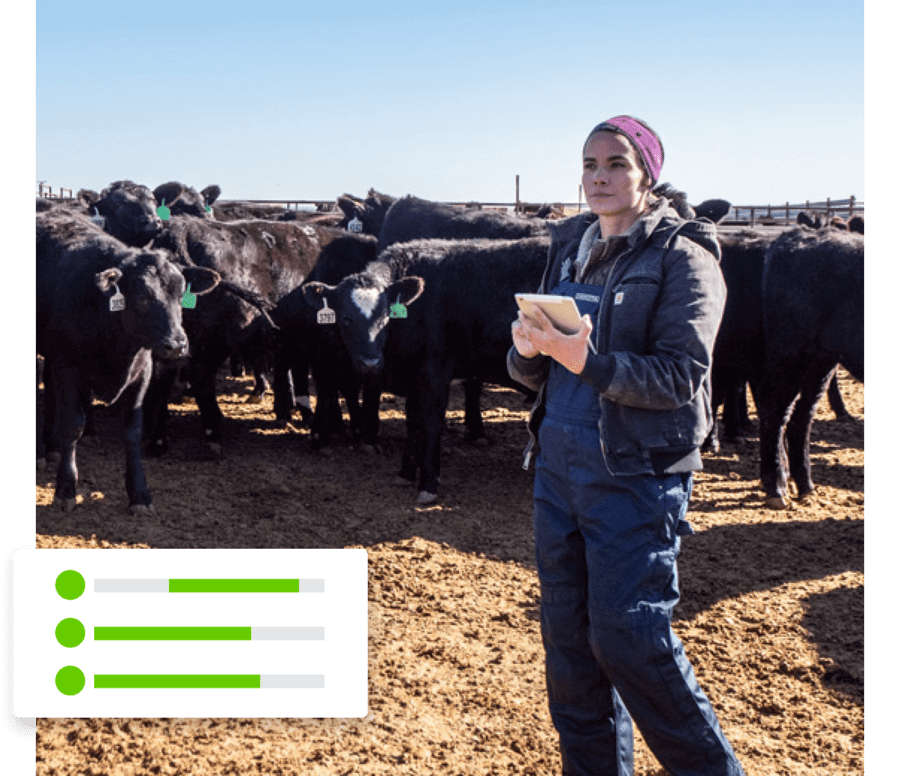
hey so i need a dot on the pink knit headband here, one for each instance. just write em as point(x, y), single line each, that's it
point(642, 138)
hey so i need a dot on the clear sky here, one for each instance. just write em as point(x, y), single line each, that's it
point(448, 101)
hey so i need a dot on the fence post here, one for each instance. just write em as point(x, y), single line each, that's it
point(517, 194)
point(827, 207)
point(752, 216)
point(852, 200)
point(787, 212)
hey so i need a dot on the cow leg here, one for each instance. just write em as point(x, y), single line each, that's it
point(350, 391)
point(711, 443)
point(777, 395)
point(156, 407)
point(800, 425)
point(86, 398)
point(68, 426)
point(327, 404)
point(50, 443)
point(135, 481)
point(433, 411)
point(412, 450)
point(260, 381)
point(836, 401)
point(743, 408)
point(473, 420)
point(283, 386)
point(369, 417)
point(203, 382)
point(300, 367)
point(735, 409)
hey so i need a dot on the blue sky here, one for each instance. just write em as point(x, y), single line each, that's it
point(448, 100)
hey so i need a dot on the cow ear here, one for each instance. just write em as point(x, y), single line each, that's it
point(409, 289)
point(210, 194)
point(107, 279)
point(202, 280)
point(169, 192)
point(316, 293)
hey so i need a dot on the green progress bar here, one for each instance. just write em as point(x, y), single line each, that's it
point(234, 585)
point(171, 633)
point(176, 681)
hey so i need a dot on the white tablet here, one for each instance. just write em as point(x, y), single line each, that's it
point(561, 310)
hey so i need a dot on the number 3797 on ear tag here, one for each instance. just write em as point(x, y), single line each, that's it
point(325, 315)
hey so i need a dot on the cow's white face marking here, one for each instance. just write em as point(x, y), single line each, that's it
point(365, 299)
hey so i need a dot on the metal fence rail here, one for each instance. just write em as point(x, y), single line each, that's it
point(738, 215)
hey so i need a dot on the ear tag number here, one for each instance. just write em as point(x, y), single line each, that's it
point(98, 219)
point(325, 315)
point(355, 226)
point(189, 300)
point(163, 212)
point(398, 309)
point(116, 301)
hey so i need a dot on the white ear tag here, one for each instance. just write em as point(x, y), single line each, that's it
point(117, 301)
point(98, 219)
point(355, 226)
point(325, 315)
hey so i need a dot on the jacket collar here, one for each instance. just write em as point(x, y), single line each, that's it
point(660, 222)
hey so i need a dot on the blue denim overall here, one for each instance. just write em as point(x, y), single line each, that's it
point(606, 551)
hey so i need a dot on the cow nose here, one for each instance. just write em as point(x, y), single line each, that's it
point(370, 365)
point(173, 347)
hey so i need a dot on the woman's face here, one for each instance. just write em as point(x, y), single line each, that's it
point(613, 178)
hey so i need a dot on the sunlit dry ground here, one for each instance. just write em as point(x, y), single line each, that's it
point(771, 614)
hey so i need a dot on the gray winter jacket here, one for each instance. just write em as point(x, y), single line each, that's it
point(654, 332)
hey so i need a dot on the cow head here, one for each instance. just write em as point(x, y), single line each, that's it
point(149, 289)
point(182, 200)
point(127, 209)
point(365, 216)
point(364, 305)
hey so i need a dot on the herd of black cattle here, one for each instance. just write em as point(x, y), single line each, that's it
point(138, 288)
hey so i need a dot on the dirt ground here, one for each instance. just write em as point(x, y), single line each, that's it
point(771, 612)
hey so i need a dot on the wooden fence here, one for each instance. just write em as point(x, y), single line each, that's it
point(46, 190)
point(752, 215)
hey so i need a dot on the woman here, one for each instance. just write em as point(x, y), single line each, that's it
point(617, 434)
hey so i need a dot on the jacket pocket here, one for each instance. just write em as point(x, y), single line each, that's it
point(631, 310)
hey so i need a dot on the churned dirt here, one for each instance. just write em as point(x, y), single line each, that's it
point(771, 612)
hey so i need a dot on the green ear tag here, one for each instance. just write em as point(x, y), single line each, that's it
point(189, 300)
point(162, 211)
point(208, 209)
point(398, 310)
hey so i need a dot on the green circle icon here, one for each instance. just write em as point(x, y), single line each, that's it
point(70, 585)
point(70, 632)
point(70, 680)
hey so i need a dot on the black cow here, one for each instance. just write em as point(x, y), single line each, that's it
point(305, 342)
point(458, 327)
point(739, 354)
point(812, 294)
point(259, 262)
point(124, 209)
point(103, 309)
point(411, 218)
